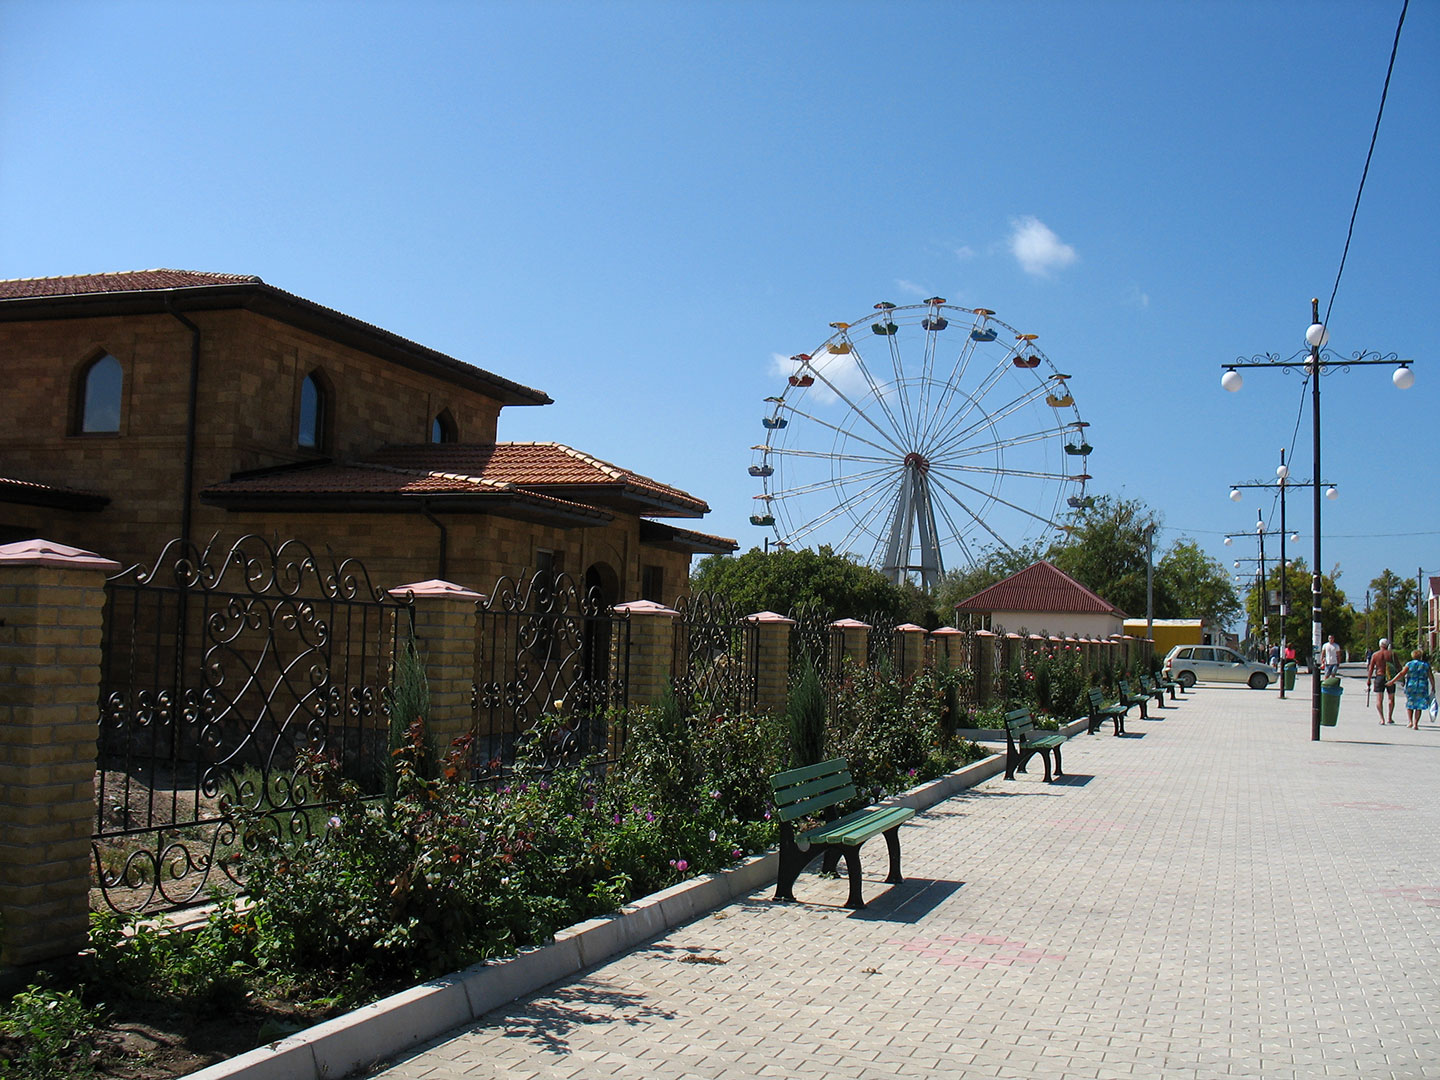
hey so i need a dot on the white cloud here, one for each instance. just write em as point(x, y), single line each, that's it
point(1137, 297)
point(964, 251)
point(912, 288)
point(1037, 248)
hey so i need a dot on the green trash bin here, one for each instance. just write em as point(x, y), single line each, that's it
point(1330, 691)
point(1289, 675)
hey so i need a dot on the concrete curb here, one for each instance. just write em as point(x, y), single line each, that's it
point(382, 1029)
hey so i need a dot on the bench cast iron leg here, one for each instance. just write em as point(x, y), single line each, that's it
point(852, 864)
point(892, 841)
point(792, 861)
point(1045, 757)
point(1058, 773)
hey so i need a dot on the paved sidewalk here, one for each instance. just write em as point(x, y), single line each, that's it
point(1211, 896)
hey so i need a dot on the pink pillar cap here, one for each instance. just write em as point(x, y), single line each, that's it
point(435, 587)
point(770, 618)
point(49, 553)
point(646, 607)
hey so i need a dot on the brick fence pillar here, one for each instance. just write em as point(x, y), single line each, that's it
point(910, 648)
point(652, 650)
point(772, 660)
point(950, 643)
point(444, 615)
point(51, 602)
point(983, 663)
point(854, 642)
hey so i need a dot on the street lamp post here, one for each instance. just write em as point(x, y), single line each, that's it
point(1318, 361)
point(1283, 482)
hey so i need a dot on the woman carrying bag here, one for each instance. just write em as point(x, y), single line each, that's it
point(1419, 686)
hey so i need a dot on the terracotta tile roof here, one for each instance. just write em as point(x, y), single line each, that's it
point(30, 492)
point(121, 281)
point(538, 465)
point(191, 290)
point(663, 534)
point(367, 479)
point(1039, 587)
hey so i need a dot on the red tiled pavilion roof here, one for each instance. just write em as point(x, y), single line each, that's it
point(536, 475)
point(364, 486)
point(540, 465)
point(1039, 587)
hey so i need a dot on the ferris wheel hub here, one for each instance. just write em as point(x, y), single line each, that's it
point(914, 460)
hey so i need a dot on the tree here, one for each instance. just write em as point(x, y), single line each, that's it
point(1336, 615)
point(1106, 552)
point(785, 579)
point(1393, 599)
point(1194, 586)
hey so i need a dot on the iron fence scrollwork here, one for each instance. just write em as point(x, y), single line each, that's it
point(552, 665)
point(717, 656)
point(221, 669)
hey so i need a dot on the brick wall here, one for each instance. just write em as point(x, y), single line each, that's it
point(249, 392)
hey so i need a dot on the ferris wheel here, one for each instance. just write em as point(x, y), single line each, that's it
point(919, 436)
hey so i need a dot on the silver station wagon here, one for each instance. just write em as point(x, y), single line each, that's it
point(1189, 664)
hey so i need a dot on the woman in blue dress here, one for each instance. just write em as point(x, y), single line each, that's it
point(1419, 686)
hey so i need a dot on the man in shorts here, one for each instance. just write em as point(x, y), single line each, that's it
point(1379, 671)
point(1330, 657)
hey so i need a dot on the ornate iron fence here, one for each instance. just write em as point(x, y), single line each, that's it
point(814, 640)
point(717, 655)
point(552, 666)
point(220, 667)
point(881, 648)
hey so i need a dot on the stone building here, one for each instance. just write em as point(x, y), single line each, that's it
point(150, 405)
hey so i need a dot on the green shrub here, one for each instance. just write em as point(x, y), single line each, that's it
point(152, 958)
point(805, 718)
point(47, 1035)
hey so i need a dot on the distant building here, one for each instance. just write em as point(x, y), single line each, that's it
point(1432, 611)
point(1167, 633)
point(144, 406)
point(1041, 598)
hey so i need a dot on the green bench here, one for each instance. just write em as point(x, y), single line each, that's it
point(821, 790)
point(1127, 697)
point(1023, 740)
point(1100, 712)
point(1154, 689)
point(1163, 680)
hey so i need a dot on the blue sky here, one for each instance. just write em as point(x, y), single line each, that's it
point(637, 207)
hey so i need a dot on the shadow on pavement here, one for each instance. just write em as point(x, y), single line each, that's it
point(1072, 780)
point(908, 902)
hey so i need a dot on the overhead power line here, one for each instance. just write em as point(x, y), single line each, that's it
point(1374, 135)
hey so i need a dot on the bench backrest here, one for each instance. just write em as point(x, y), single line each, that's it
point(1124, 688)
point(812, 788)
point(1097, 699)
point(1146, 684)
point(1020, 724)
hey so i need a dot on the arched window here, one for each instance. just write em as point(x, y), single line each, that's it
point(100, 395)
point(443, 428)
point(314, 412)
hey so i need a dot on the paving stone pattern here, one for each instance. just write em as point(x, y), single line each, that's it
point(1213, 895)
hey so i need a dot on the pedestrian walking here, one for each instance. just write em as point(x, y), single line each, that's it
point(1330, 657)
point(1419, 687)
point(1275, 657)
point(1377, 676)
